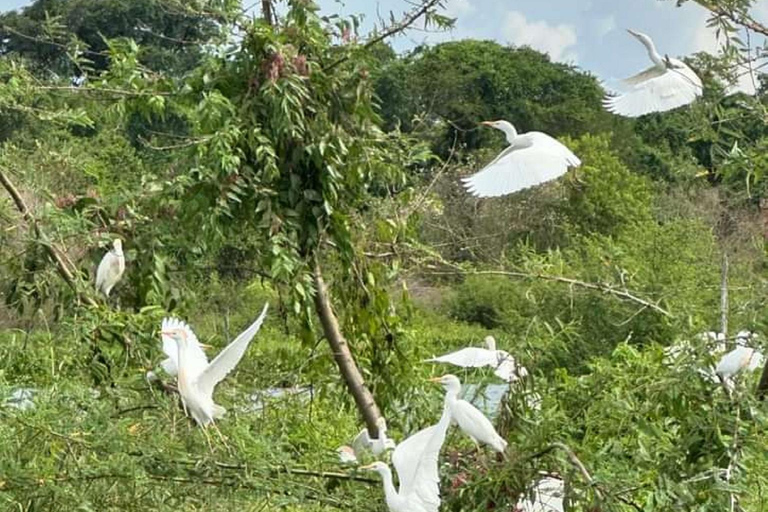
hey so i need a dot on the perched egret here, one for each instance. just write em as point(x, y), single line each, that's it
point(415, 461)
point(475, 357)
point(196, 377)
point(470, 420)
point(738, 359)
point(363, 442)
point(530, 159)
point(666, 85)
point(111, 268)
point(377, 445)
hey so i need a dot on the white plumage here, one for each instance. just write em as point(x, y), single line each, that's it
point(415, 461)
point(738, 359)
point(469, 419)
point(530, 159)
point(377, 445)
point(110, 268)
point(476, 357)
point(196, 378)
point(666, 85)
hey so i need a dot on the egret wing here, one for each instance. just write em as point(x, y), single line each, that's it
point(197, 362)
point(533, 158)
point(228, 358)
point(416, 460)
point(470, 357)
point(644, 76)
point(678, 86)
point(362, 442)
point(509, 371)
point(474, 423)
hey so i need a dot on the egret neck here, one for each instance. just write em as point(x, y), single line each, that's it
point(652, 52)
point(508, 130)
point(390, 493)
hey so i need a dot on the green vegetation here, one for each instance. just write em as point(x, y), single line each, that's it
point(294, 165)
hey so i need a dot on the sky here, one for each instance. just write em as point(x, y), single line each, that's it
point(587, 33)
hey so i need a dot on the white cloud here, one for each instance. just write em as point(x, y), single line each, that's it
point(760, 11)
point(556, 40)
point(605, 25)
point(458, 8)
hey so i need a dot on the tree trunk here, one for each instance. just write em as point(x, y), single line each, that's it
point(266, 11)
point(344, 360)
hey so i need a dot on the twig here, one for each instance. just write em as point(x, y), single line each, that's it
point(744, 19)
point(403, 24)
point(560, 279)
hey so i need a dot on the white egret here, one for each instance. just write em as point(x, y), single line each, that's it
point(415, 460)
point(475, 357)
point(196, 377)
point(530, 159)
point(363, 443)
point(110, 268)
point(738, 359)
point(470, 420)
point(666, 85)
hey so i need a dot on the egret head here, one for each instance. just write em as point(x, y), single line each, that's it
point(450, 383)
point(641, 37)
point(490, 342)
point(177, 335)
point(118, 245)
point(377, 466)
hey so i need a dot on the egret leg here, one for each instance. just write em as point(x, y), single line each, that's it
point(207, 437)
point(222, 437)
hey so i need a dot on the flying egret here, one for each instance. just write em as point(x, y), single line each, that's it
point(470, 420)
point(415, 461)
point(530, 159)
point(110, 268)
point(196, 377)
point(475, 357)
point(666, 85)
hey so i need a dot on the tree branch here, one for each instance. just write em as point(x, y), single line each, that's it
point(53, 251)
point(743, 19)
point(560, 279)
point(401, 25)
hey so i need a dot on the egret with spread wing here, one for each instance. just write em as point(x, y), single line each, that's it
point(110, 268)
point(196, 377)
point(415, 460)
point(666, 85)
point(470, 420)
point(476, 357)
point(530, 159)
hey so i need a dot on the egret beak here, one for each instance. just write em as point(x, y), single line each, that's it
point(206, 346)
point(487, 123)
point(633, 32)
point(435, 379)
point(368, 466)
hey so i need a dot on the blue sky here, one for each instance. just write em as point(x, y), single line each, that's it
point(588, 33)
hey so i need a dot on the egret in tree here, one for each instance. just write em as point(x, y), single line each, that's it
point(737, 360)
point(530, 159)
point(363, 442)
point(415, 460)
point(476, 357)
point(111, 268)
point(470, 420)
point(196, 377)
point(666, 85)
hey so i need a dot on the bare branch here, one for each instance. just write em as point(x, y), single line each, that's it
point(396, 28)
point(560, 279)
